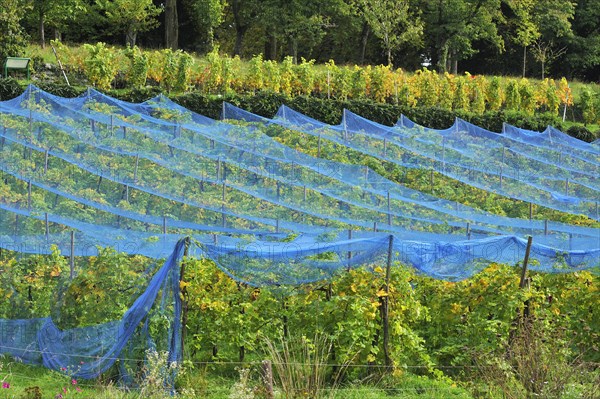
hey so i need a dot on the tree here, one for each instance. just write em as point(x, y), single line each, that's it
point(394, 22)
point(171, 25)
point(209, 15)
point(12, 37)
point(452, 26)
point(244, 13)
point(526, 30)
point(297, 23)
point(54, 14)
point(130, 16)
point(583, 54)
point(553, 20)
point(546, 53)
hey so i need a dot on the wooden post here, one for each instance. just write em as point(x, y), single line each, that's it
point(267, 371)
point(443, 154)
point(60, 65)
point(126, 193)
point(319, 147)
point(570, 241)
point(530, 211)
point(468, 231)
point(375, 226)
point(184, 293)
point(349, 237)
point(278, 190)
point(72, 258)
point(46, 229)
point(385, 305)
point(389, 214)
point(45, 161)
point(223, 206)
point(345, 133)
point(546, 227)
point(29, 195)
point(135, 170)
point(218, 168)
point(99, 183)
point(525, 262)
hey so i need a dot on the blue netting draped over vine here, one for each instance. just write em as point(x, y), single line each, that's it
point(86, 352)
point(568, 182)
point(78, 175)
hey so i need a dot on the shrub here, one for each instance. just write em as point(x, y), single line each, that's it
point(589, 106)
point(9, 88)
point(581, 133)
point(138, 68)
point(100, 65)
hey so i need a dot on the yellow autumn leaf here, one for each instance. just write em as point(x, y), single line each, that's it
point(55, 272)
point(378, 269)
point(382, 293)
point(456, 308)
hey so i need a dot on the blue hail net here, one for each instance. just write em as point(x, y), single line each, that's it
point(462, 152)
point(78, 175)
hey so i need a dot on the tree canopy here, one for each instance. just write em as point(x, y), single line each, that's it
point(514, 37)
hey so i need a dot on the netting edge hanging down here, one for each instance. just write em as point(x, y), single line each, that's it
point(43, 343)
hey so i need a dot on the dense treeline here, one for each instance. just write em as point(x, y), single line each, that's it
point(514, 37)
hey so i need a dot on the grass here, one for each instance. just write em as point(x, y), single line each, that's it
point(29, 382)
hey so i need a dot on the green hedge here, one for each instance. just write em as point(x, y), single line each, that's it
point(326, 110)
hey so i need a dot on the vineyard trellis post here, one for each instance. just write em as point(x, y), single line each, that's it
point(349, 252)
point(46, 229)
point(267, 371)
point(385, 304)
point(184, 293)
point(72, 257)
point(525, 263)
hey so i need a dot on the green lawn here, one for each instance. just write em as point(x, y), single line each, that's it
point(30, 382)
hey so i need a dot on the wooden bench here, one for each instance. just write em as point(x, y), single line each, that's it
point(16, 63)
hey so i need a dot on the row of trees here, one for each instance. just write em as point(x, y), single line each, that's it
point(478, 35)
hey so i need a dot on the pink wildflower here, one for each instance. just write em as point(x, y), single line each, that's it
point(5, 385)
point(63, 368)
point(73, 382)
